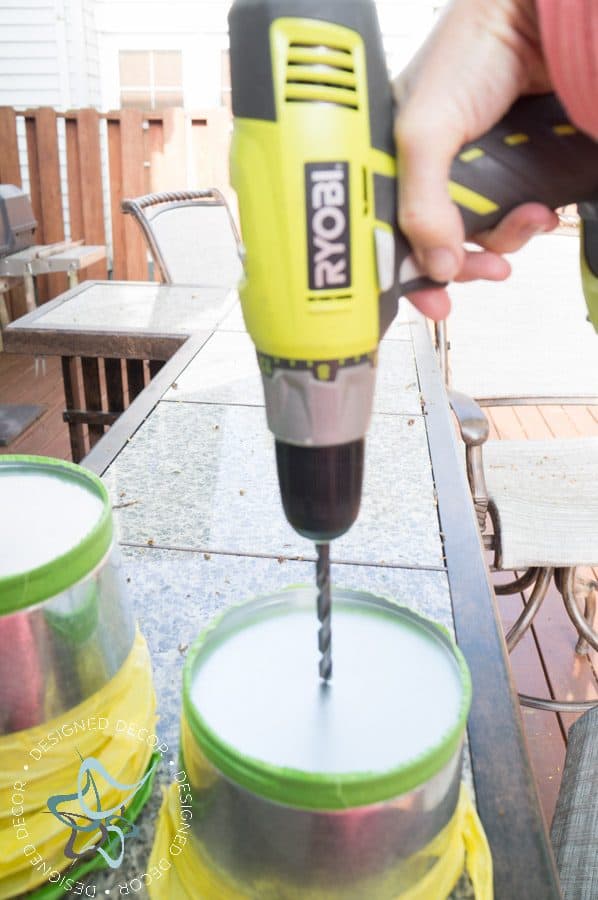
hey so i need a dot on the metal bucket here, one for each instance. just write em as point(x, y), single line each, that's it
point(65, 625)
point(302, 789)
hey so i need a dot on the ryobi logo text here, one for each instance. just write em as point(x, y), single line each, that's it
point(328, 225)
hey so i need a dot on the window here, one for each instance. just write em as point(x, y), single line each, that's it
point(151, 79)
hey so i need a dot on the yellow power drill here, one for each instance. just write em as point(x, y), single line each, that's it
point(313, 164)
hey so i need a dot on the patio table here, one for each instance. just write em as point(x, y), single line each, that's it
point(190, 467)
point(39, 259)
point(98, 324)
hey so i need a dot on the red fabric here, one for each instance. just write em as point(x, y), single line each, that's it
point(21, 679)
point(569, 30)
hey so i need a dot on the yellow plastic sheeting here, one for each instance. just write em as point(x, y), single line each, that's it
point(115, 726)
point(461, 844)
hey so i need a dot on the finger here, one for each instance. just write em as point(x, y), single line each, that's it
point(427, 216)
point(485, 265)
point(517, 227)
point(432, 302)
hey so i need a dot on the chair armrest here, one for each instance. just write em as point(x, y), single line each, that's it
point(474, 429)
point(473, 424)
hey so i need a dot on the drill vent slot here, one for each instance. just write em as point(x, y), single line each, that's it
point(339, 297)
point(317, 73)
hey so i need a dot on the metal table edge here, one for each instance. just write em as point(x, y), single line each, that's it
point(51, 341)
point(522, 855)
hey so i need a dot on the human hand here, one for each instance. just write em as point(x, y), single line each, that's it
point(482, 55)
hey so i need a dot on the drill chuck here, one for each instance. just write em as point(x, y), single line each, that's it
point(320, 487)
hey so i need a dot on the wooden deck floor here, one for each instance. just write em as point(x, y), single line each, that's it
point(22, 381)
point(545, 658)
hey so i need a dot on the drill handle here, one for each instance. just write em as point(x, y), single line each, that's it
point(534, 154)
point(588, 253)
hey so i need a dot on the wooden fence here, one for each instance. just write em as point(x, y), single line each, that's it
point(166, 150)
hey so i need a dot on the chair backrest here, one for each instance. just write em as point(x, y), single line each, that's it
point(191, 236)
point(526, 339)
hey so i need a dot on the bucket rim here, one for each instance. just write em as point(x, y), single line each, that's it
point(24, 589)
point(326, 791)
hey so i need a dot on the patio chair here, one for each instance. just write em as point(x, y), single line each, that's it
point(191, 236)
point(574, 831)
point(536, 500)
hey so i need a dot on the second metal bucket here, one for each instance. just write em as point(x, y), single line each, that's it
point(302, 789)
point(66, 626)
point(75, 675)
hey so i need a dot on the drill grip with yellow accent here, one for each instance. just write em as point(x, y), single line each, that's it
point(588, 253)
point(313, 164)
point(533, 154)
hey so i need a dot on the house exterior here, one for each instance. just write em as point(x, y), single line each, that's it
point(147, 54)
point(151, 53)
point(49, 53)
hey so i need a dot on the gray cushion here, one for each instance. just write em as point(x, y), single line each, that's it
point(575, 825)
point(546, 494)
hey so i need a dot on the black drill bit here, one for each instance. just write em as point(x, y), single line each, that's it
point(324, 610)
